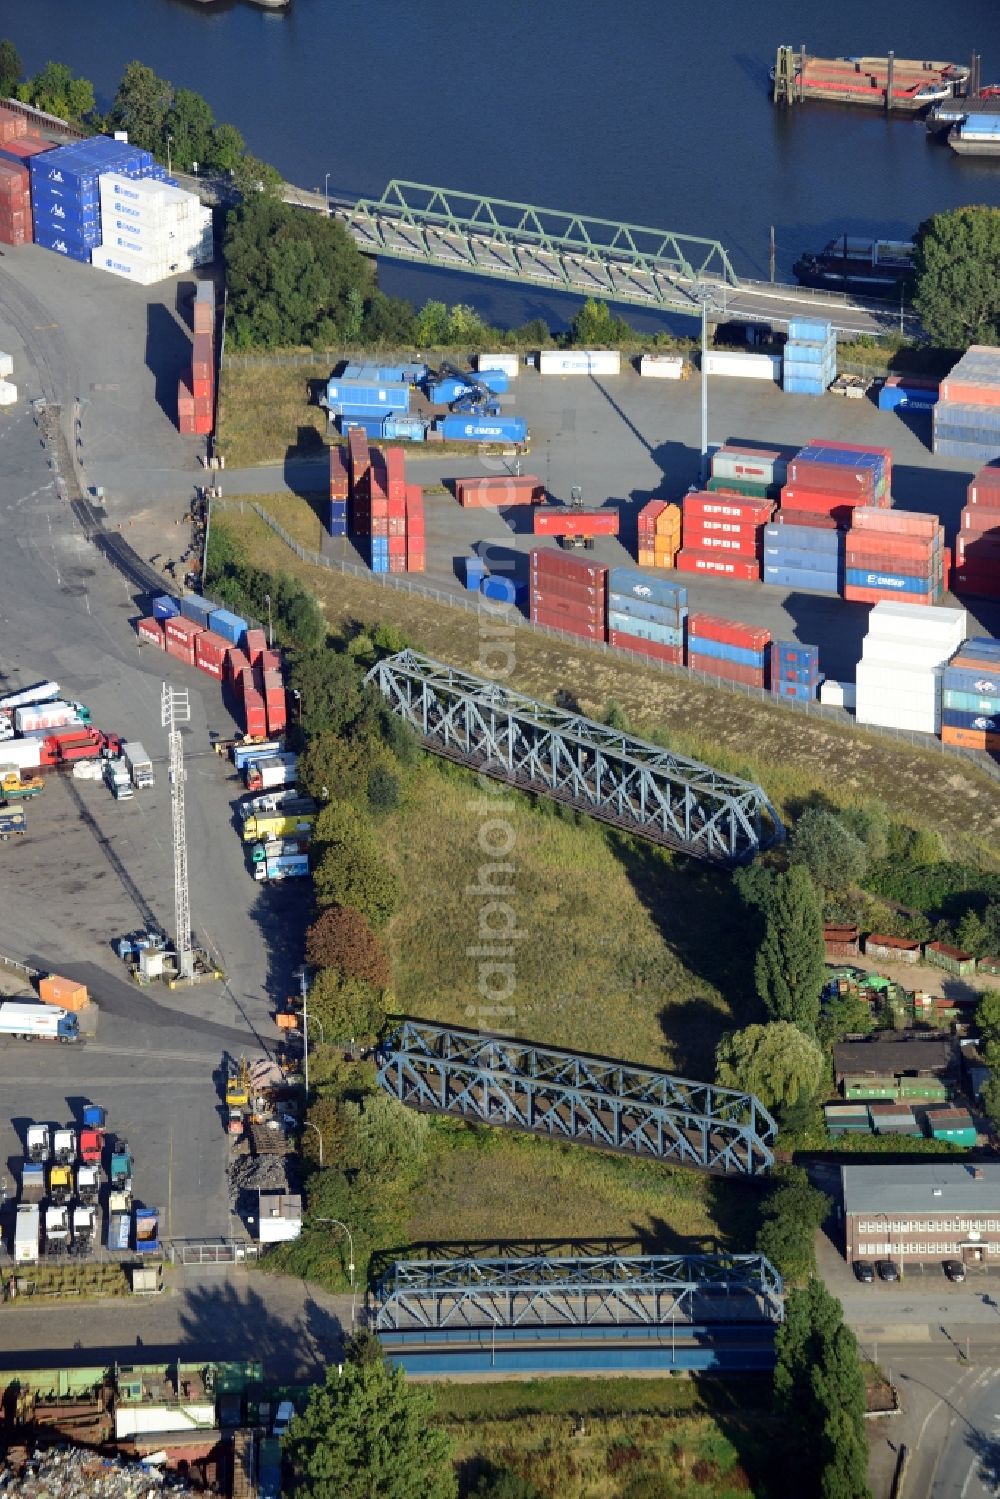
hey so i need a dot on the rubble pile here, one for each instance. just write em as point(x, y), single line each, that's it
point(263, 1173)
point(76, 1473)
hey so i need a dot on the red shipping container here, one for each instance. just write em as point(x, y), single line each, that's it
point(270, 677)
point(854, 595)
point(397, 564)
point(378, 527)
point(416, 560)
point(964, 393)
point(254, 644)
point(895, 522)
point(378, 480)
point(566, 520)
point(202, 357)
point(395, 473)
point(235, 665)
point(551, 563)
point(12, 124)
point(985, 488)
point(210, 652)
point(672, 653)
point(9, 235)
point(555, 604)
point(648, 516)
point(340, 482)
point(414, 504)
point(835, 478)
point(254, 715)
point(747, 539)
point(569, 624)
point(269, 660)
point(714, 564)
point(151, 630)
point(748, 512)
point(185, 398)
point(396, 525)
point(277, 715)
point(818, 502)
point(395, 508)
point(378, 504)
point(806, 518)
point(574, 593)
point(730, 671)
point(728, 632)
point(185, 425)
point(204, 317)
point(179, 647)
point(202, 424)
point(202, 389)
point(894, 548)
point(397, 546)
point(181, 629)
point(358, 457)
point(500, 489)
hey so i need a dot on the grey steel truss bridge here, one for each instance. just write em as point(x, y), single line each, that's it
point(547, 1295)
point(612, 776)
point(569, 1096)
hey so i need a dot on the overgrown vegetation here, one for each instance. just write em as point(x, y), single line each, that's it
point(792, 1214)
point(957, 276)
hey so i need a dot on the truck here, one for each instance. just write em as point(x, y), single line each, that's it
point(41, 692)
point(84, 1229)
point(120, 1174)
point(277, 847)
point(13, 824)
point(64, 1146)
point(28, 1022)
point(282, 867)
point(27, 1233)
point(17, 787)
point(265, 829)
point(118, 780)
point(55, 715)
point(60, 1183)
point(56, 1229)
point(286, 802)
point(253, 754)
point(269, 1468)
point(39, 1144)
point(140, 766)
point(32, 1182)
point(92, 1134)
point(147, 1231)
point(88, 1185)
point(272, 774)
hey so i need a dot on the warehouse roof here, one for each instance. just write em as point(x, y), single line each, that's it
point(941, 1187)
point(886, 1056)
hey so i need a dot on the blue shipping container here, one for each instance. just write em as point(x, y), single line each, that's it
point(969, 702)
point(229, 625)
point(803, 538)
point(361, 396)
point(979, 645)
point(57, 241)
point(502, 590)
point(795, 387)
point(979, 680)
point(645, 629)
point(624, 603)
point(810, 329)
point(494, 380)
point(443, 392)
point(719, 651)
point(165, 607)
point(484, 428)
point(801, 582)
point(858, 577)
point(651, 590)
point(370, 426)
point(404, 429)
point(954, 719)
point(198, 609)
point(472, 571)
point(792, 653)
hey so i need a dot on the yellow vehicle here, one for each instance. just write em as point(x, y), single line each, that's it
point(259, 829)
point(238, 1086)
point(14, 786)
point(61, 1183)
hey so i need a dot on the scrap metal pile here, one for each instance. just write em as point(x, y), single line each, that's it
point(76, 1473)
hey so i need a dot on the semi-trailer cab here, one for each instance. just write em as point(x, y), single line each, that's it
point(30, 1022)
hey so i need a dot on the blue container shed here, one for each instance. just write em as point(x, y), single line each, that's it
point(230, 626)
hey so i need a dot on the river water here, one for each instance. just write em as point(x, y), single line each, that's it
point(645, 111)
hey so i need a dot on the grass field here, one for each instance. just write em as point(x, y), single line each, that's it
point(793, 757)
point(605, 1439)
point(259, 408)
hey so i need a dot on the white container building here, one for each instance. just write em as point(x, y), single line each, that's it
point(904, 655)
point(579, 362)
point(510, 364)
point(742, 366)
point(662, 366)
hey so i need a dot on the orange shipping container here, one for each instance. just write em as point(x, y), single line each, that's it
point(895, 522)
point(54, 990)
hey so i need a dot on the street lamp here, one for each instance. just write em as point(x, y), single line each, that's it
point(350, 1263)
point(170, 141)
point(308, 1124)
point(270, 621)
point(326, 193)
point(705, 296)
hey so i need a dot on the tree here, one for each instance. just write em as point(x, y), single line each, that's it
point(329, 685)
point(365, 1431)
point(957, 276)
point(988, 1019)
point(343, 939)
point(253, 176)
point(834, 856)
point(388, 1142)
point(431, 325)
point(844, 1015)
point(345, 1007)
point(790, 965)
point(792, 1214)
point(775, 1062)
point(871, 823)
point(191, 125)
point(141, 106)
point(56, 91)
point(503, 1483)
point(11, 68)
point(225, 149)
point(973, 935)
point(350, 870)
point(595, 327)
point(383, 790)
point(819, 1387)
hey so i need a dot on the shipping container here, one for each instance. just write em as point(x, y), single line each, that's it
point(714, 564)
point(490, 429)
point(556, 564)
point(500, 489)
point(568, 520)
point(223, 622)
point(210, 652)
point(570, 624)
point(672, 655)
point(579, 362)
point(150, 630)
point(728, 362)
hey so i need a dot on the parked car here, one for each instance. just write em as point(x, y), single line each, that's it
point(887, 1270)
point(283, 1418)
point(954, 1270)
point(864, 1271)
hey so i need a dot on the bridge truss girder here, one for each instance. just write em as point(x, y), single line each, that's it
point(519, 241)
point(547, 1293)
point(614, 777)
point(569, 1096)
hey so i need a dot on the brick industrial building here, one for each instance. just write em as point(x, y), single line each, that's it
point(925, 1211)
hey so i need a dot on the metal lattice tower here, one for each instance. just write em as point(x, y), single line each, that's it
point(614, 777)
point(545, 1294)
point(175, 709)
point(567, 1095)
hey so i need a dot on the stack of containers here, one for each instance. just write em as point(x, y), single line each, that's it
point(828, 479)
point(739, 653)
point(970, 696)
point(391, 469)
point(977, 545)
point(724, 535)
point(272, 690)
point(416, 553)
point(568, 593)
point(340, 490)
point(646, 614)
point(66, 193)
point(795, 671)
point(15, 204)
point(659, 534)
point(372, 516)
point(894, 554)
point(196, 390)
point(150, 229)
point(757, 473)
point(809, 364)
point(179, 635)
point(807, 558)
point(366, 402)
point(902, 664)
point(966, 421)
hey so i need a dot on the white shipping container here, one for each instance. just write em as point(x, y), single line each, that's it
point(8, 393)
point(22, 754)
point(510, 364)
point(44, 716)
point(744, 366)
point(915, 617)
point(131, 267)
point(579, 362)
point(838, 694)
point(26, 1234)
point(6, 366)
point(662, 366)
point(138, 1420)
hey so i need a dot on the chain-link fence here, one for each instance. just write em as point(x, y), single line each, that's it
point(474, 605)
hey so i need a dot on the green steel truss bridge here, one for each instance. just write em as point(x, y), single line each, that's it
point(570, 252)
point(567, 1095)
point(614, 777)
point(544, 1294)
